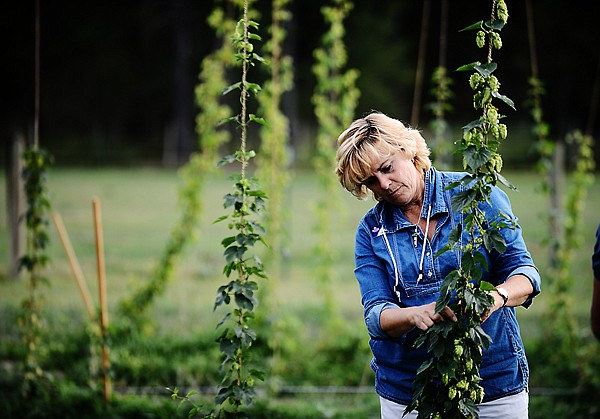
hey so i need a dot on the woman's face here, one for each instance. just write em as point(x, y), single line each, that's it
point(396, 180)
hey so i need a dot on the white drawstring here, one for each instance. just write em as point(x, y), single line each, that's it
point(389, 248)
point(424, 245)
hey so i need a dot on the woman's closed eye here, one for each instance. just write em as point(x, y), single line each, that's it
point(386, 169)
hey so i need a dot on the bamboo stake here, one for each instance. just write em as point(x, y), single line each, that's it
point(102, 293)
point(74, 263)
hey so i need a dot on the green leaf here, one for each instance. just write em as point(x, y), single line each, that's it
point(468, 67)
point(253, 87)
point(426, 364)
point(473, 124)
point(468, 408)
point(481, 260)
point(496, 25)
point(477, 157)
point(467, 262)
point(226, 160)
point(232, 87)
point(257, 374)
point(455, 234)
point(494, 240)
point(223, 320)
point(258, 120)
point(486, 286)
point(462, 200)
point(227, 241)
point(224, 394)
point(474, 26)
point(486, 69)
point(505, 182)
point(504, 99)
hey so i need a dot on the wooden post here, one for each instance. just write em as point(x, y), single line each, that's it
point(15, 200)
point(75, 267)
point(102, 293)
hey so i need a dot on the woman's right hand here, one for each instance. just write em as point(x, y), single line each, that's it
point(398, 321)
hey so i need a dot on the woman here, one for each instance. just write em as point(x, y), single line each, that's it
point(400, 277)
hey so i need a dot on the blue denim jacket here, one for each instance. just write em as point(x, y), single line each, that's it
point(388, 250)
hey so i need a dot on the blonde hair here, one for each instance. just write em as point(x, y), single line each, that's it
point(369, 139)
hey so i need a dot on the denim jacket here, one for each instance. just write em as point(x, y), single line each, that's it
point(388, 251)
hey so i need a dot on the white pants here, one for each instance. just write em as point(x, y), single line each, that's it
point(509, 407)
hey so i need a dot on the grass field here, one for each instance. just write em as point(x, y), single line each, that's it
point(139, 207)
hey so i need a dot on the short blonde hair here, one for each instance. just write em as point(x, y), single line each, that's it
point(369, 139)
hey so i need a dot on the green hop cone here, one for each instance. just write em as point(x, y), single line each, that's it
point(475, 80)
point(502, 11)
point(452, 393)
point(496, 40)
point(492, 116)
point(496, 161)
point(458, 351)
point(495, 132)
point(480, 39)
point(493, 83)
point(445, 379)
point(503, 131)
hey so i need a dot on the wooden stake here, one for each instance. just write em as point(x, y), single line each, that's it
point(102, 293)
point(75, 267)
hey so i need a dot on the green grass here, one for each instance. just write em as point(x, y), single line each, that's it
point(139, 207)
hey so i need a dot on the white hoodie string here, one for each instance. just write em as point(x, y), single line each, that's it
point(424, 245)
point(389, 248)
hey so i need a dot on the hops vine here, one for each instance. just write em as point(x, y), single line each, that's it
point(447, 384)
point(35, 164)
point(236, 337)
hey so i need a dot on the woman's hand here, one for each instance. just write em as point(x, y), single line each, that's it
point(518, 288)
point(398, 321)
point(498, 303)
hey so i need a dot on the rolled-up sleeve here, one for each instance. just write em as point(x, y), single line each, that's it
point(533, 275)
point(373, 322)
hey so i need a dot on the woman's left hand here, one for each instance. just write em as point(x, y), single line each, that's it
point(498, 302)
point(518, 287)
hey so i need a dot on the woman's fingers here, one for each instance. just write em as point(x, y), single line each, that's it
point(427, 317)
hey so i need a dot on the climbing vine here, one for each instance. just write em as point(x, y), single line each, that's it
point(201, 164)
point(335, 100)
point(562, 283)
point(246, 201)
point(35, 165)
point(274, 159)
point(447, 384)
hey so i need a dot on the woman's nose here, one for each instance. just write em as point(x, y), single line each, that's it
point(384, 183)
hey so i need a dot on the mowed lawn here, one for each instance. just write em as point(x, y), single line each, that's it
point(139, 208)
